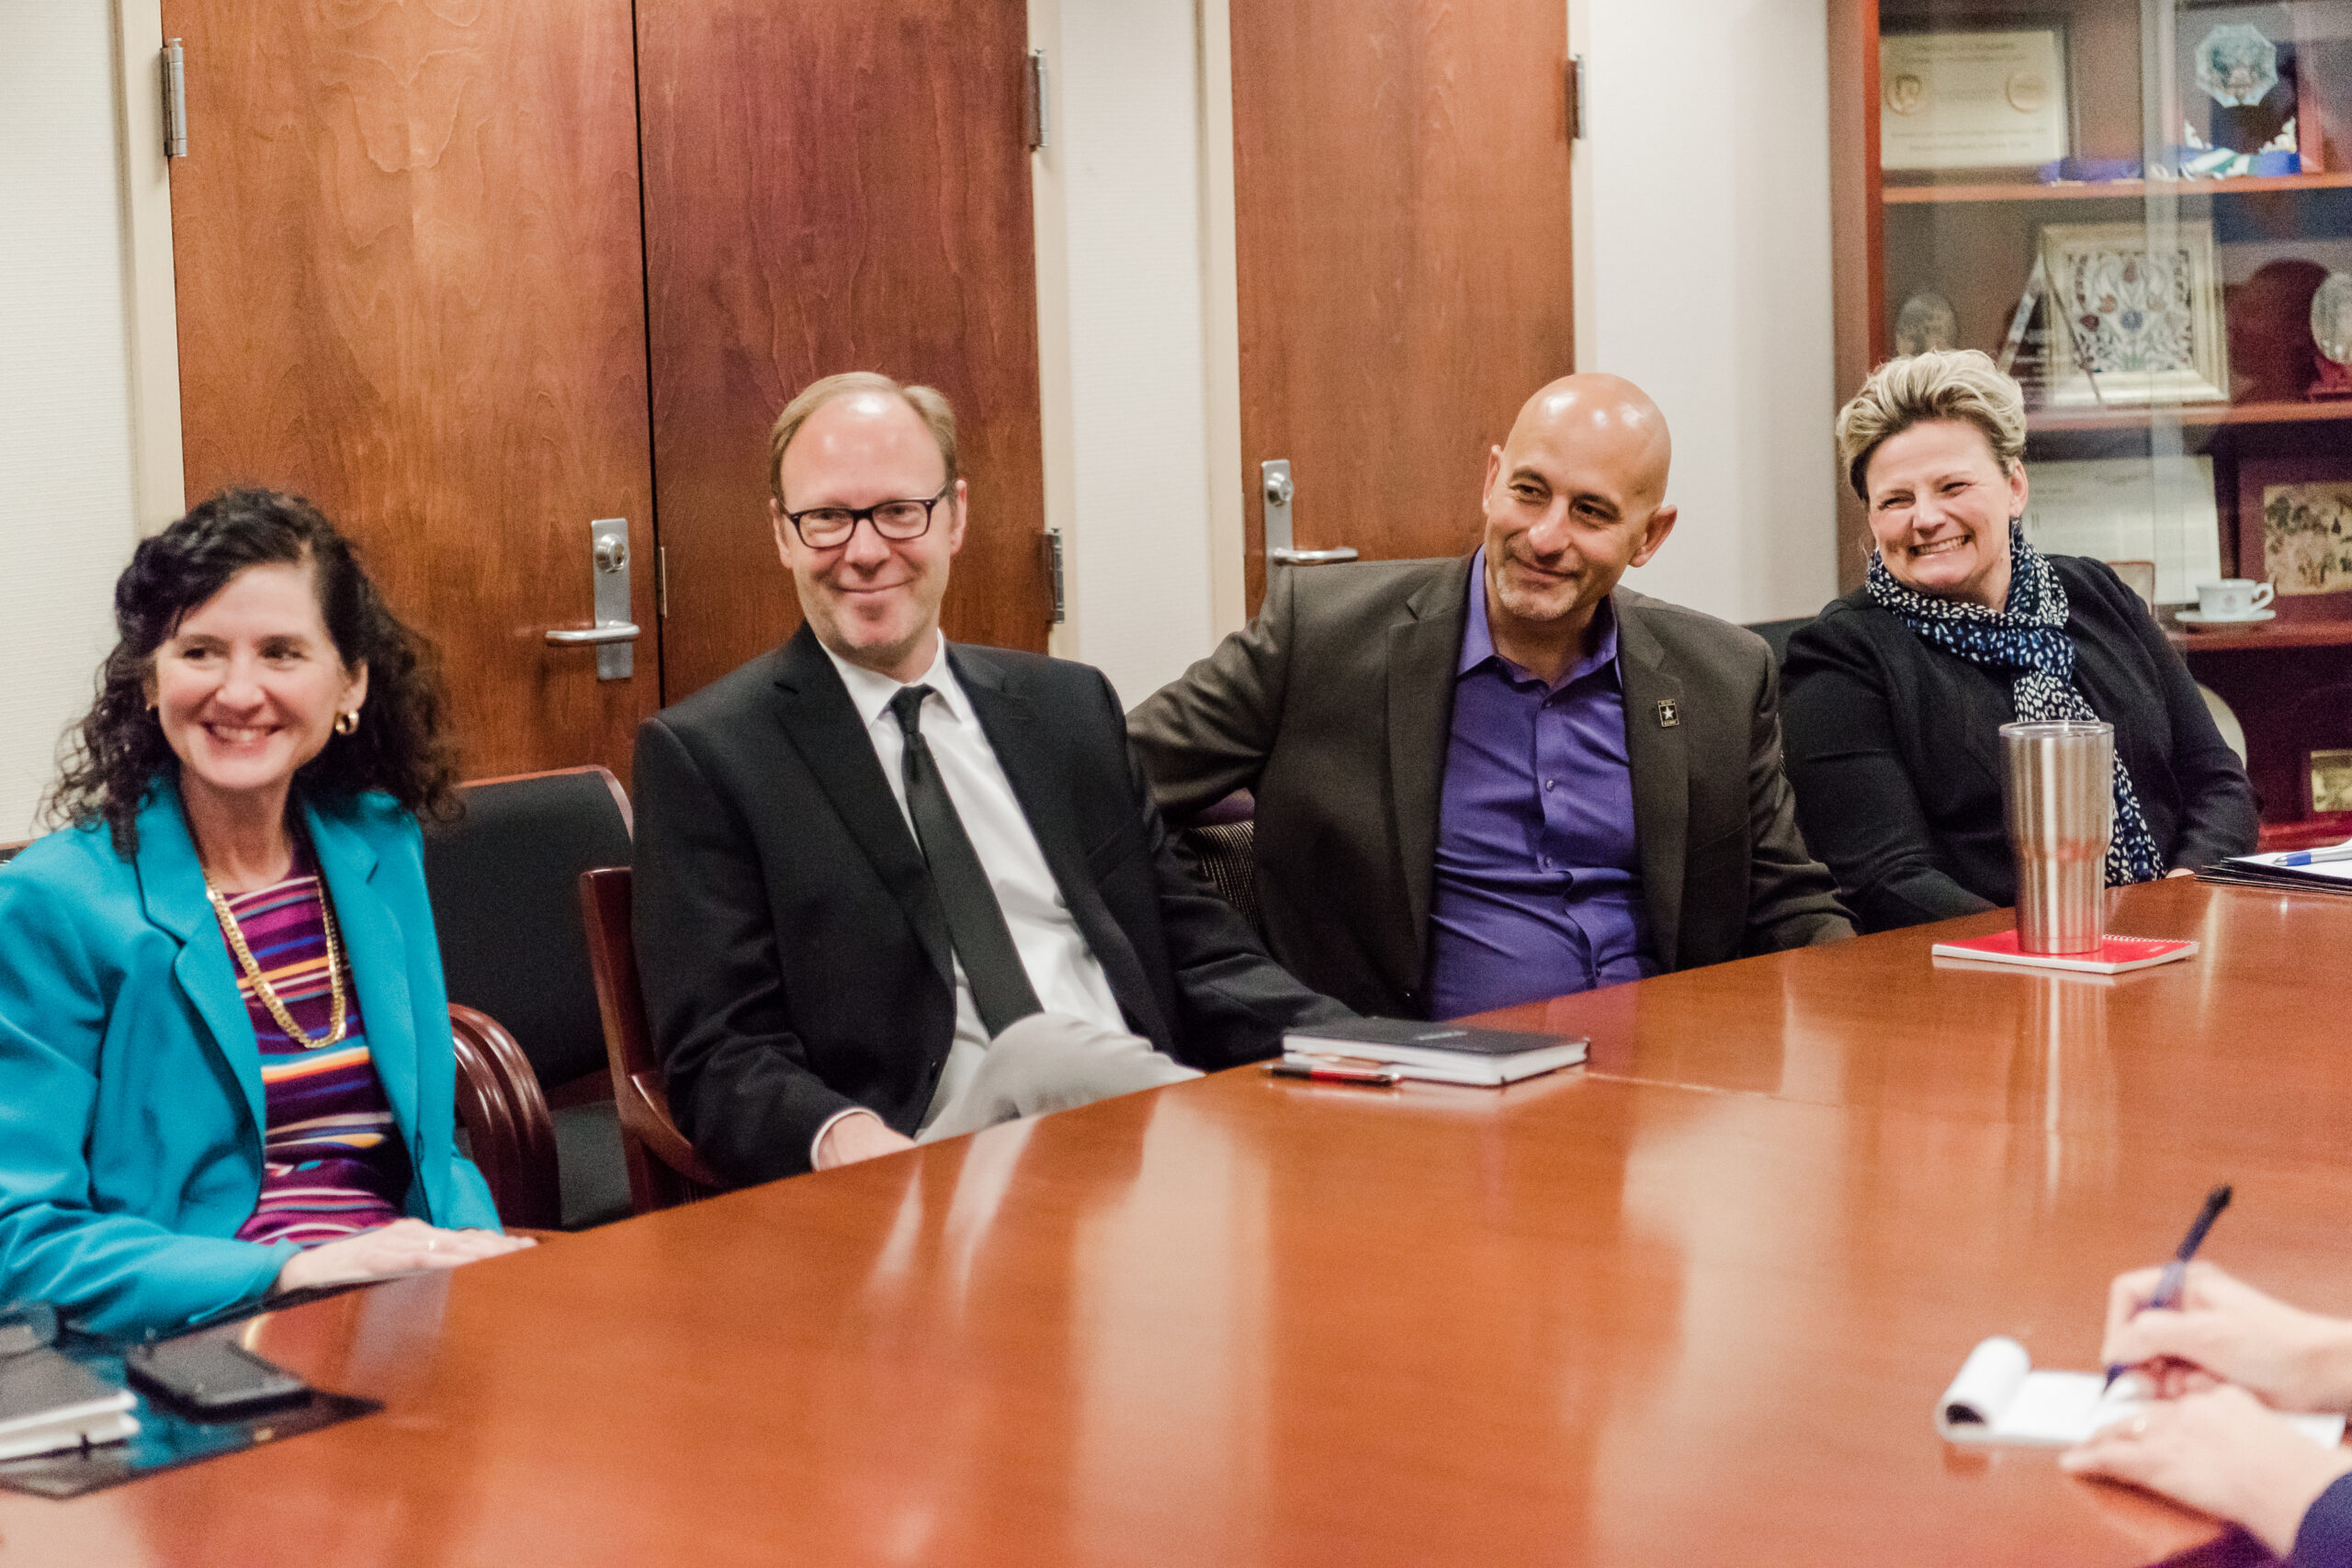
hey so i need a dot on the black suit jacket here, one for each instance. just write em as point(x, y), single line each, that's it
point(1335, 707)
point(796, 959)
point(1894, 749)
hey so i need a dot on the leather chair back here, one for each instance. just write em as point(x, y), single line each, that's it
point(502, 880)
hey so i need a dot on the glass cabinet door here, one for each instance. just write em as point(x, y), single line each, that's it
point(2143, 210)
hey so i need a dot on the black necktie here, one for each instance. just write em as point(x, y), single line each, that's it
point(1000, 988)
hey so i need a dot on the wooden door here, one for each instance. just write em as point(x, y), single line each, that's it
point(410, 287)
point(831, 186)
point(1401, 218)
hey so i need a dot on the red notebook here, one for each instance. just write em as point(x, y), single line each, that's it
point(2116, 954)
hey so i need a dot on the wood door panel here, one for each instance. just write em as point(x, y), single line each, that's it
point(410, 287)
point(1401, 222)
point(834, 187)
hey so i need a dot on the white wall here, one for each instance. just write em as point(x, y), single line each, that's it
point(67, 508)
point(1122, 180)
point(1704, 191)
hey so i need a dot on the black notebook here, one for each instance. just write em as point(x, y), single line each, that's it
point(1440, 1053)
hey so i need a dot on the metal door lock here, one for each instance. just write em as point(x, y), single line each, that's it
point(614, 632)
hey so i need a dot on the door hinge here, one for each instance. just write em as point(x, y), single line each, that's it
point(662, 581)
point(1576, 97)
point(174, 61)
point(1054, 570)
point(1034, 101)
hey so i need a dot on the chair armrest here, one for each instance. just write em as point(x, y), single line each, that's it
point(645, 1113)
point(506, 1115)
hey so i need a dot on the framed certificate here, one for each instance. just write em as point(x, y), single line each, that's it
point(1974, 100)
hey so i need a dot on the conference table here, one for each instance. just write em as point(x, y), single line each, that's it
point(1692, 1303)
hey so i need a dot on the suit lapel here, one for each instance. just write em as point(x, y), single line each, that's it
point(171, 885)
point(1423, 651)
point(1659, 758)
point(823, 726)
point(375, 948)
point(1019, 736)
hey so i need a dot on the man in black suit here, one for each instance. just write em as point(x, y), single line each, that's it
point(885, 884)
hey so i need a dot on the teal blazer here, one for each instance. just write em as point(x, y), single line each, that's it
point(130, 1095)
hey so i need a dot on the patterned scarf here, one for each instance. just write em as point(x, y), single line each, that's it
point(2029, 637)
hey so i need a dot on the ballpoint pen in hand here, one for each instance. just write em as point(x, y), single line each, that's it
point(2168, 1283)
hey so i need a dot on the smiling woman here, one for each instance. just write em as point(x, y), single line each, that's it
point(225, 1062)
point(1896, 696)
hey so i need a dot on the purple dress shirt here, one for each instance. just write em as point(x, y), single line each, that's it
point(1539, 881)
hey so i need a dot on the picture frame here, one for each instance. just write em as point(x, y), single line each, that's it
point(1995, 97)
point(2129, 329)
point(2294, 531)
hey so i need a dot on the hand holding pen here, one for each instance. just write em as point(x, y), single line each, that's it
point(2221, 1329)
point(2165, 1295)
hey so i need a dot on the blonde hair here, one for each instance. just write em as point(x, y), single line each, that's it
point(1957, 384)
point(929, 406)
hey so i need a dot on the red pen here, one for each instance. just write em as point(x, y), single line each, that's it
point(1321, 1073)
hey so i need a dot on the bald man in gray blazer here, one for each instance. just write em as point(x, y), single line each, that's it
point(1488, 780)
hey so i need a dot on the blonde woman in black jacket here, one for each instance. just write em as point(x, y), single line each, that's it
point(1893, 699)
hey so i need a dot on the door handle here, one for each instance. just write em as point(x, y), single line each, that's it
point(594, 636)
point(614, 631)
point(1276, 492)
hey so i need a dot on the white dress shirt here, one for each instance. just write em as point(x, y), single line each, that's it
point(1062, 969)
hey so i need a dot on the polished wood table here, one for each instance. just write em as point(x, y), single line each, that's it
point(1690, 1305)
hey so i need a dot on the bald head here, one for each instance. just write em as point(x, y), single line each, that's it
point(1574, 497)
point(1609, 418)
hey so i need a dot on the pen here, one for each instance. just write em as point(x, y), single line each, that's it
point(2168, 1283)
point(1320, 1073)
point(2316, 857)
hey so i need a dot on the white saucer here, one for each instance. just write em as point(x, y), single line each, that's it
point(2198, 618)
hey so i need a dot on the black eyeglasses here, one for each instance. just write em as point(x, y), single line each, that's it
point(824, 527)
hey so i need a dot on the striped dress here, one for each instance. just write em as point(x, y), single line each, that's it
point(332, 1162)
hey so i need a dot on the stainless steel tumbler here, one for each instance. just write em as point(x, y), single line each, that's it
point(2057, 783)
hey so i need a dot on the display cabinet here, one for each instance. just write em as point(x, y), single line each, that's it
point(2142, 209)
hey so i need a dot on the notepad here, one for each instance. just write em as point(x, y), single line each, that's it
point(2113, 956)
point(1998, 1398)
point(1440, 1053)
point(48, 1401)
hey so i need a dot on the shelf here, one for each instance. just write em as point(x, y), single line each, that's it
point(2110, 190)
point(2043, 420)
point(2268, 635)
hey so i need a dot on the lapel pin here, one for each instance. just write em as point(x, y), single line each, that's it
point(1669, 715)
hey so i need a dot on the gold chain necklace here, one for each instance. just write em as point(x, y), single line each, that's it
point(262, 989)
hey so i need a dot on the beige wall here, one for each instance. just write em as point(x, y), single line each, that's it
point(1704, 191)
point(70, 470)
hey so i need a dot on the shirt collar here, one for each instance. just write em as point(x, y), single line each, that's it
point(1478, 639)
point(870, 692)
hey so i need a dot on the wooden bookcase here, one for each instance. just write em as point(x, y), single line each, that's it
point(1973, 236)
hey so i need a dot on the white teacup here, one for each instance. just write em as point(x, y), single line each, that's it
point(2234, 599)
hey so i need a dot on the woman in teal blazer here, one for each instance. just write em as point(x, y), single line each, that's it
point(225, 751)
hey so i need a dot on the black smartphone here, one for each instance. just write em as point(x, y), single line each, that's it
point(212, 1377)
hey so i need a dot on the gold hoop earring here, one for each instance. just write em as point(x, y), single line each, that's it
point(346, 721)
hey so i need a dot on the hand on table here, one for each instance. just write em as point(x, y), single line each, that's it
point(2290, 1358)
point(859, 1136)
point(2221, 1452)
point(401, 1247)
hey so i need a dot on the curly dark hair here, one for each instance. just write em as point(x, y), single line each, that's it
point(113, 758)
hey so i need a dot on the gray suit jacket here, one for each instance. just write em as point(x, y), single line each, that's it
point(1335, 707)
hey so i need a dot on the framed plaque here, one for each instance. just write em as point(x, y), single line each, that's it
point(1974, 100)
point(2129, 324)
point(2295, 532)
